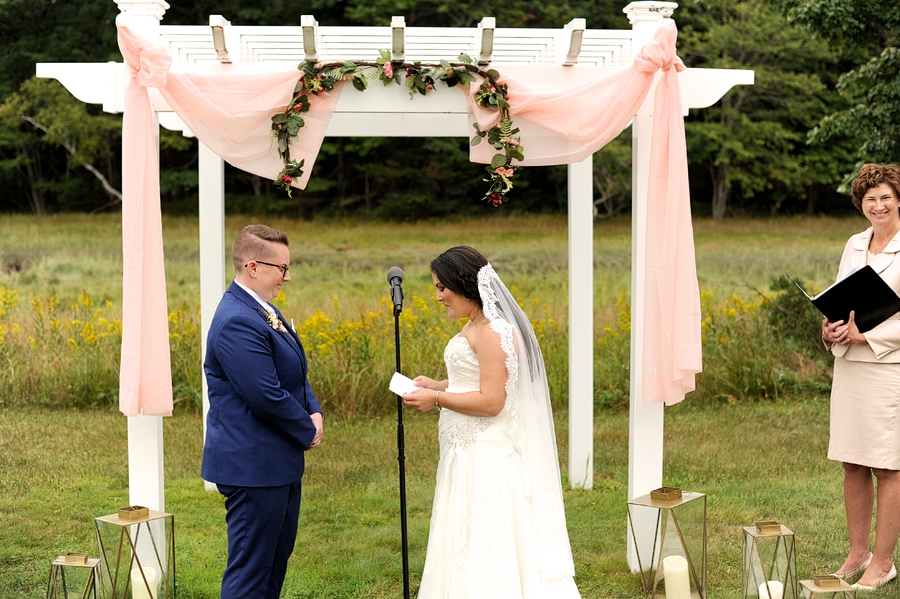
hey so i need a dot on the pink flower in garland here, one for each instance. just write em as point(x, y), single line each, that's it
point(388, 70)
point(504, 172)
point(496, 198)
point(297, 107)
point(286, 178)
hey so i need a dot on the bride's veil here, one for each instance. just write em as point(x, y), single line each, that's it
point(530, 424)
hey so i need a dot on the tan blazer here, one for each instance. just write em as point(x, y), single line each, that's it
point(883, 340)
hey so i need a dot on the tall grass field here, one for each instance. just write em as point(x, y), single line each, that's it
point(753, 436)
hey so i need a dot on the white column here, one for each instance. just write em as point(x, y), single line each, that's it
point(645, 431)
point(212, 244)
point(146, 480)
point(581, 324)
point(146, 483)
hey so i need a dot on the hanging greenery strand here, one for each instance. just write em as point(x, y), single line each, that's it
point(418, 78)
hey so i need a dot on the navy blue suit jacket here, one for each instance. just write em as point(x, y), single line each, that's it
point(260, 401)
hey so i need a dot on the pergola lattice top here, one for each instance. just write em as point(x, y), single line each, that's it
point(489, 45)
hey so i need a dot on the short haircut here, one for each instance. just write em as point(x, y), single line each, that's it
point(255, 242)
point(873, 175)
point(457, 270)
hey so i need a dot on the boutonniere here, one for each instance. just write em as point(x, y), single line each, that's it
point(275, 322)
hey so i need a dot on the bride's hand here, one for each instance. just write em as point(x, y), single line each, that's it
point(426, 383)
point(420, 399)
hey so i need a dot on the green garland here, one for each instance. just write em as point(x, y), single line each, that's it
point(419, 78)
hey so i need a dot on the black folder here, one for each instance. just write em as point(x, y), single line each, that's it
point(860, 290)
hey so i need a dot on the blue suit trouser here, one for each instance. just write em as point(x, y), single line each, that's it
point(262, 529)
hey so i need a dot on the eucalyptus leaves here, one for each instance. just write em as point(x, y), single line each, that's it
point(418, 78)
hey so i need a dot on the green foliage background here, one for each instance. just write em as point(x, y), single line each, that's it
point(784, 145)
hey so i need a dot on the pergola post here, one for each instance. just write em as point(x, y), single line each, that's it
point(212, 245)
point(645, 430)
point(146, 478)
point(581, 324)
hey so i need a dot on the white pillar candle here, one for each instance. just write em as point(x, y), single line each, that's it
point(139, 588)
point(678, 585)
point(776, 587)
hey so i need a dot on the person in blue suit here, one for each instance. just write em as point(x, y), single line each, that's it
point(263, 417)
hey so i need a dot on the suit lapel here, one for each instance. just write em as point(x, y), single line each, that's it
point(290, 336)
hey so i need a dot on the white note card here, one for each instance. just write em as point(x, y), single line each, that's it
point(401, 384)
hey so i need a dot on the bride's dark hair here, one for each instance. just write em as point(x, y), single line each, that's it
point(457, 270)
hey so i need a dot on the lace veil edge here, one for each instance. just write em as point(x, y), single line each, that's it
point(530, 423)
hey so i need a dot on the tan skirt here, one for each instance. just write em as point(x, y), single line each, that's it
point(865, 414)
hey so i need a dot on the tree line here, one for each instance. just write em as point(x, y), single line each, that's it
point(826, 99)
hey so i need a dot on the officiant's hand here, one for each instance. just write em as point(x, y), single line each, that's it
point(853, 334)
point(834, 332)
point(842, 334)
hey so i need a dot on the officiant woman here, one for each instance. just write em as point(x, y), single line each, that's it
point(865, 394)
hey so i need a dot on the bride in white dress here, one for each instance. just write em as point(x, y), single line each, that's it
point(498, 528)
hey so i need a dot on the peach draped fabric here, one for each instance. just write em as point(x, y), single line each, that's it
point(145, 378)
point(229, 108)
point(672, 341)
point(564, 125)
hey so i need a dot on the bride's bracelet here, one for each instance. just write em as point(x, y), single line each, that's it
point(436, 403)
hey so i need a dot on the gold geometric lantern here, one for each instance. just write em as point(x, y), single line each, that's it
point(83, 575)
point(826, 587)
point(675, 567)
point(769, 563)
point(137, 553)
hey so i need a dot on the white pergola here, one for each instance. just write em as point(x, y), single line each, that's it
point(564, 53)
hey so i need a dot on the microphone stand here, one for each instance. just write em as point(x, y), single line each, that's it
point(401, 457)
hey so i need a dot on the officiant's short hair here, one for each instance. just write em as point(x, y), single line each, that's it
point(255, 242)
point(457, 270)
point(873, 175)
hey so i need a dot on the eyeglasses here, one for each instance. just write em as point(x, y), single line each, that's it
point(281, 267)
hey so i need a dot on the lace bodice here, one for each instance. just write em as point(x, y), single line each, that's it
point(462, 365)
point(463, 373)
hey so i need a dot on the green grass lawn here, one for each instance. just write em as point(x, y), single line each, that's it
point(759, 461)
point(763, 460)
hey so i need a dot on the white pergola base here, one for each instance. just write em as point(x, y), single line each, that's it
point(386, 112)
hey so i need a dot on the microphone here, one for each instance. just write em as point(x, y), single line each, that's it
point(395, 278)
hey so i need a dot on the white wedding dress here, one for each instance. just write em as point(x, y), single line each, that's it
point(482, 542)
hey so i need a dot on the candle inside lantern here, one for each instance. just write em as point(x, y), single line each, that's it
point(139, 587)
point(775, 587)
point(678, 584)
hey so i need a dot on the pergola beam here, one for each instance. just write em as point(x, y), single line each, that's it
point(310, 33)
point(576, 28)
point(220, 34)
point(486, 49)
point(398, 39)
